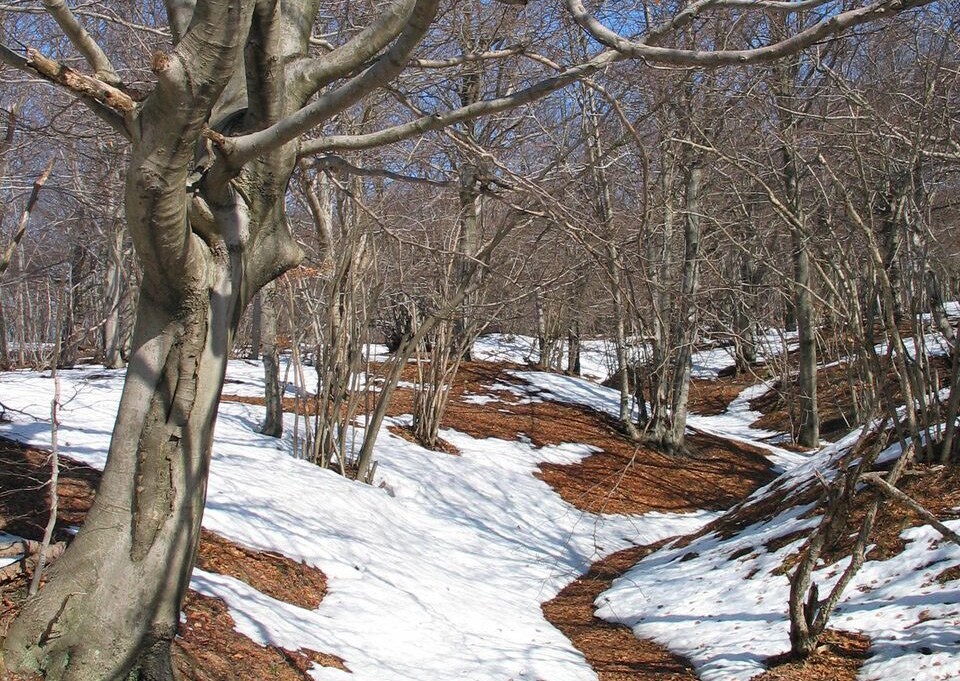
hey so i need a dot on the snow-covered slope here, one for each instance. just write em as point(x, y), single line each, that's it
point(721, 602)
point(728, 614)
point(438, 570)
point(439, 574)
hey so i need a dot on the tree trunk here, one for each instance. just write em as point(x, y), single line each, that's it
point(808, 431)
point(809, 421)
point(686, 327)
point(745, 341)
point(4, 348)
point(112, 297)
point(70, 334)
point(573, 349)
point(676, 321)
point(470, 206)
point(615, 270)
point(140, 538)
point(112, 606)
point(256, 332)
point(273, 422)
point(544, 342)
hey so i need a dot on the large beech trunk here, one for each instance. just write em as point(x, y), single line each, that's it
point(139, 539)
point(206, 242)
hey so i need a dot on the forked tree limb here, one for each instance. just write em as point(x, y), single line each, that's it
point(83, 41)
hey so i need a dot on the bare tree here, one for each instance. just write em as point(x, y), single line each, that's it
point(213, 143)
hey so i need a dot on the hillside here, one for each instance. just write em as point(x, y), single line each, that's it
point(468, 564)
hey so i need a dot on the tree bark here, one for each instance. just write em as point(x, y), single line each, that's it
point(273, 422)
point(687, 325)
point(809, 420)
point(112, 606)
point(256, 332)
point(470, 206)
point(745, 341)
point(140, 537)
point(113, 295)
point(808, 432)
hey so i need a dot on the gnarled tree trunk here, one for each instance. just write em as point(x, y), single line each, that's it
point(206, 246)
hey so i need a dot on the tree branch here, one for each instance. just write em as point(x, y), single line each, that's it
point(312, 75)
point(341, 164)
point(240, 150)
point(83, 41)
point(781, 48)
point(876, 479)
point(179, 14)
point(24, 219)
point(99, 16)
point(80, 83)
point(467, 58)
point(439, 121)
point(111, 105)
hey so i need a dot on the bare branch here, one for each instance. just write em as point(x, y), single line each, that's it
point(89, 90)
point(24, 219)
point(775, 50)
point(89, 14)
point(341, 164)
point(239, 150)
point(467, 58)
point(313, 74)
point(876, 479)
point(439, 121)
point(80, 83)
point(83, 41)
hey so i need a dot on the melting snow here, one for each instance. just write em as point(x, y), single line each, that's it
point(441, 581)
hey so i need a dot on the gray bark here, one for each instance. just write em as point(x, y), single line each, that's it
point(112, 605)
point(744, 321)
point(273, 422)
point(255, 329)
point(470, 206)
point(676, 320)
point(808, 430)
point(573, 349)
point(809, 421)
point(112, 298)
point(687, 328)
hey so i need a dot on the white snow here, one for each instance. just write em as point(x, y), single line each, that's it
point(709, 362)
point(574, 390)
point(727, 615)
point(598, 357)
point(438, 570)
point(441, 579)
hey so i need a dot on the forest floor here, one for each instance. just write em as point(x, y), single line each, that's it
point(619, 477)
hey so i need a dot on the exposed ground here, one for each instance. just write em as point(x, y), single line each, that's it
point(622, 478)
point(208, 648)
